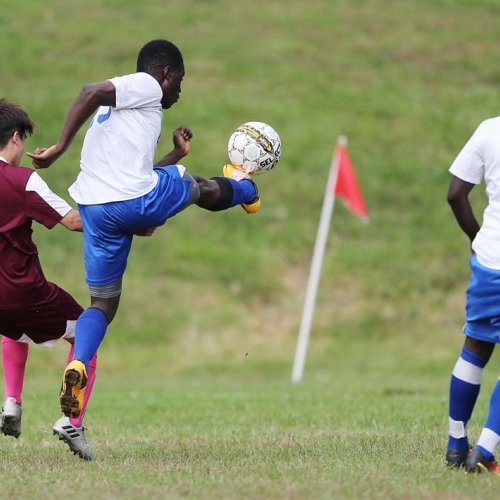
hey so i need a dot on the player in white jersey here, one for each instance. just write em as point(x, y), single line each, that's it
point(120, 191)
point(480, 158)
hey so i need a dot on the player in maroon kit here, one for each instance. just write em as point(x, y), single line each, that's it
point(31, 308)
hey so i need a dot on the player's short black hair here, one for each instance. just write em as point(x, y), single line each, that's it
point(13, 119)
point(159, 54)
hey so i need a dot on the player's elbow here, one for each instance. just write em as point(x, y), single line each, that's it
point(455, 197)
point(458, 192)
point(452, 197)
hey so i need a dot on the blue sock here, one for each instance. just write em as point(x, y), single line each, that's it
point(464, 390)
point(493, 419)
point(89, 332)
point(243, 191)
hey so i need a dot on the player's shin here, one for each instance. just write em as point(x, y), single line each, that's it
point(14, 358)
point(233, 193)
point(464, 390)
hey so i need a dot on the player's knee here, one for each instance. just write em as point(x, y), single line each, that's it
point(108, 306)
point(219, 194)
point(479, 347)
point(106, 298)
point(194, 188)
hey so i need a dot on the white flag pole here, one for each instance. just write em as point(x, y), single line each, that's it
point(317, 262)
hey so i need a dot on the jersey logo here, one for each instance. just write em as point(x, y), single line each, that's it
point(102, 117)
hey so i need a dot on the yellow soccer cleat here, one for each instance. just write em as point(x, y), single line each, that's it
point(238, 174)
point(73, 389)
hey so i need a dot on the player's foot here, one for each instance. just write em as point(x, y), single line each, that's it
point(253, 205)
point(73, 389)
point(74, 437)
point(476, 462)
point(456, 458)
point(10, 423)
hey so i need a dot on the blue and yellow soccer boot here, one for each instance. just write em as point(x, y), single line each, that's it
point(253, 205)
point(73, 389)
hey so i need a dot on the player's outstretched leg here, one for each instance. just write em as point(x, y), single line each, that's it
point(253, 204)
point(227, 191)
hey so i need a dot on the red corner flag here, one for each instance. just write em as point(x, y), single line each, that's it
point(346, 186)
point(341, 182)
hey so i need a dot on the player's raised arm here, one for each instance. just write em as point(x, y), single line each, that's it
point(182, 142)
point(88, 101)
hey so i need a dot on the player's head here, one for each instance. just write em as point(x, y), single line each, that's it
point(15, 126)
point(163, 60)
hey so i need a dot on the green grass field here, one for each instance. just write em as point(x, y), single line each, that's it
point(193, 397)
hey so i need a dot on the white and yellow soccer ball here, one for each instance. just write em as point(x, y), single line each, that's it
point(254, 148)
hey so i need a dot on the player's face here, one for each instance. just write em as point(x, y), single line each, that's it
point(171, 87)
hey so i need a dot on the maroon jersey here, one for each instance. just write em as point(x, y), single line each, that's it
point(24, 197)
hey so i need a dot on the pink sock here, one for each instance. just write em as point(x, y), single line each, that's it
point(77, 422)
point(14, 358)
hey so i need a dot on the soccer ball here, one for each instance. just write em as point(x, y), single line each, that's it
point(254, 147)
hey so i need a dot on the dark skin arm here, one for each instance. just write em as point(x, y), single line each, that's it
point(86, 104)
point(72, 221)
point(458, 198)
point(182, 137)
point(88, 101)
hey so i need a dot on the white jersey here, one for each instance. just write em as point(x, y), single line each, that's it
point(119, 146)
point(479, 158)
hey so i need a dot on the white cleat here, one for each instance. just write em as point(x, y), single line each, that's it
point(10, 423)
point(74, 437)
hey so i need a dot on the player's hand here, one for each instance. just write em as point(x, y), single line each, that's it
point(44, 157)
point(182, 139)
point(145, 232)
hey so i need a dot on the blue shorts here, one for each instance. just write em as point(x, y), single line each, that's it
point(483, 303)
point(108, 228)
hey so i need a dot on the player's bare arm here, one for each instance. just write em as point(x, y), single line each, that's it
point(458, 198)
point(88, 101)
point(146, 233)
point(182, 142)
point(72, 221)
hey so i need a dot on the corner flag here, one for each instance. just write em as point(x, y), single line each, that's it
point(342, 182)
point(346, 186)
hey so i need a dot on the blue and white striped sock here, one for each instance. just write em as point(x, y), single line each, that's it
point(464, 390)
point(490, 435)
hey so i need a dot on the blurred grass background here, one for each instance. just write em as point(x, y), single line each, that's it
point(398, 78)
point(213, 298)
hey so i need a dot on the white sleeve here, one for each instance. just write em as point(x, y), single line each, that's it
point(38, 185)
point(136, 91)
point(469, 164)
